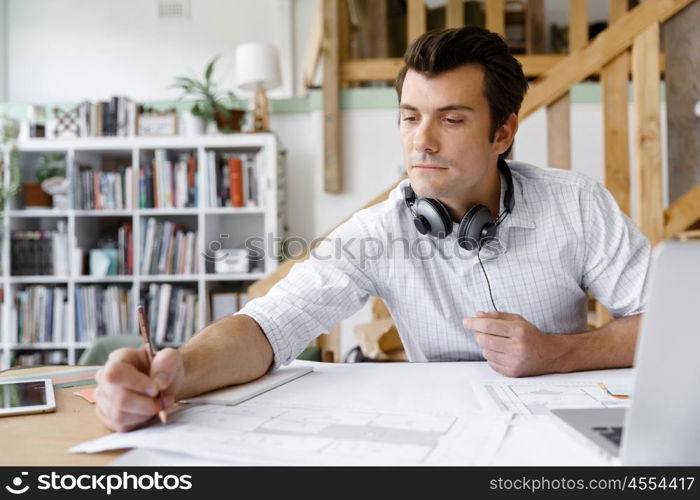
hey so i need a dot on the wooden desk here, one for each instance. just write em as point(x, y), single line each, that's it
point(445, 388)
point(44, 438)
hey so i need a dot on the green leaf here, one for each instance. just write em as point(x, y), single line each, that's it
point(210, 69)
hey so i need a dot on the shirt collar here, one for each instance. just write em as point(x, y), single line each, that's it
point(522, 215)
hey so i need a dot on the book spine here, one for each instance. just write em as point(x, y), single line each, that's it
point(235, 168)
point(192, 181)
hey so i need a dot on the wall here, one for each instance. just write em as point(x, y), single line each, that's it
point(70, 50)
point(3, 50)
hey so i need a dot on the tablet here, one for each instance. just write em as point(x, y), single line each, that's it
point(26, 396)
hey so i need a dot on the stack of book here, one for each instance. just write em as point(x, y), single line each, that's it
point(167, 248)
point(172, 313)
point(116, 117)
point(40, 315)
point(168, 184)
point(102, 311)
point(233, 180)
point(40, 253)
point(98, 190)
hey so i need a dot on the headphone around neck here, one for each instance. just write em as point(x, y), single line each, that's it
point(431, 217)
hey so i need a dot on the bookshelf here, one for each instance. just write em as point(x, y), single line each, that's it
point(262, 217)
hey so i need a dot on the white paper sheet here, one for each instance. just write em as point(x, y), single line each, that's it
point(535, 397)
point(285, 434)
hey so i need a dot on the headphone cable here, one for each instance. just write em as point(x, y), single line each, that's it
point(478, 254)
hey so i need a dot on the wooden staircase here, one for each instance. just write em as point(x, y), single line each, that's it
point(629, 44)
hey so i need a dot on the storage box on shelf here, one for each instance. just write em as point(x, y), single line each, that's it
point(157, 220)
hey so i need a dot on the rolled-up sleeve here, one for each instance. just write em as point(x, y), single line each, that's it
point(332, 284)
point(617, 255)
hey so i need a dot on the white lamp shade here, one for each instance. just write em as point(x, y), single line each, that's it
point(257, 64)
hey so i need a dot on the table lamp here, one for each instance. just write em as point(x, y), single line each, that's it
point(258, 69)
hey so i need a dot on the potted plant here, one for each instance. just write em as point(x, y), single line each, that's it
point(50, 165)
point(209, 103)
point(8, 134)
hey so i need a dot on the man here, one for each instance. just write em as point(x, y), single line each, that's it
point(520, 304)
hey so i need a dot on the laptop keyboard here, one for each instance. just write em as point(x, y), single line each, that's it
point(614, 434)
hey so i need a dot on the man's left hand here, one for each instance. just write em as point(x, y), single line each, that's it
point(515, 347)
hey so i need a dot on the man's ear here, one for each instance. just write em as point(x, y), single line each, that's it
point(505, 134)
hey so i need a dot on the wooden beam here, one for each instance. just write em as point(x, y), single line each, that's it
point(416, 22)
point(364, 70)
point(614, 83)
point(645, 75)
point(360, 70)
point(682, 213)
point(578, 24)
point(378, 40)
point(536, 64)
point(614, 86)
point(332, 178)
point(534, 27)
point(261, 287)
point(681, 39)
point(608, 44)
point(496, 16)
point(559, 133)
point(379, 309)
point(559, 112)
point(344, 37)
point(616, 9)
point(689, 235)
point(330, 345)
point(313, 51)
point(454, 14)
point(614, 80)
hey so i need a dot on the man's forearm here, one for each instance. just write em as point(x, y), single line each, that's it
point(232, 350)
point(611, 346)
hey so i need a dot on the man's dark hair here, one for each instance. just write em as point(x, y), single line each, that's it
point(443, 50)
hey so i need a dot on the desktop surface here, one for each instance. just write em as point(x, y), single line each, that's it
point(44, 439)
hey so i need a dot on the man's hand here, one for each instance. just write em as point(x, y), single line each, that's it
point(126, 393)
point(514, 347)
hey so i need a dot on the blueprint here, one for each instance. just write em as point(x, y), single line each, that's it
point(282, 433)
point(537, 396)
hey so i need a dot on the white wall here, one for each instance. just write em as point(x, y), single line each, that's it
point(71, 50)
point(3, 50)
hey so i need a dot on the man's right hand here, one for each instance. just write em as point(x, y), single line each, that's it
point(126, 394)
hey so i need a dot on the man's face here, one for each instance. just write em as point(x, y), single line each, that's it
point(444, 128)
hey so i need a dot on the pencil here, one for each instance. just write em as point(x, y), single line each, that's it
point(150, 353)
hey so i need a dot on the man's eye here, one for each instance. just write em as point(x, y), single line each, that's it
point(409, 118)
point(453, 120)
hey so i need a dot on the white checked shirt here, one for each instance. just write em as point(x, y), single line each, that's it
point(566, 235)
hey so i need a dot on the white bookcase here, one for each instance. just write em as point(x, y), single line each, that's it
point(263, 221)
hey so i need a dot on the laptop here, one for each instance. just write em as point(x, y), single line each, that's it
point(660, 427)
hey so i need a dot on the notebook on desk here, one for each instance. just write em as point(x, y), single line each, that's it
point(236, 394)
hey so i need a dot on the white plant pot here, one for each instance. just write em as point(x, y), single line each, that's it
point(193, 125)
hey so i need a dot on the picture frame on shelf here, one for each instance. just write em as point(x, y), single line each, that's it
point(157, 123)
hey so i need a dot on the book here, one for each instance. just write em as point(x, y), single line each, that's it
point(236, 191)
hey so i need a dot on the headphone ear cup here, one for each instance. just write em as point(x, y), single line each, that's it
point(439, 223)
point(472, 226)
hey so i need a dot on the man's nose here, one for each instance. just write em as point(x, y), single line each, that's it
point(425, 139)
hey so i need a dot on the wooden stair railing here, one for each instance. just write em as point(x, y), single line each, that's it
point(635, 32)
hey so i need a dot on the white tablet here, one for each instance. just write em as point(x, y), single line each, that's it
point(26, 396)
